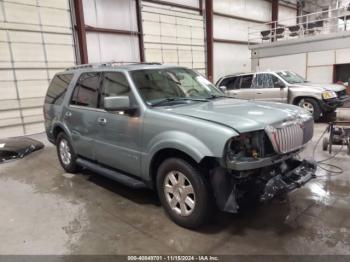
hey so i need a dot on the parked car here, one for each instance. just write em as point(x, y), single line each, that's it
point(168, 128)
point(286, 87)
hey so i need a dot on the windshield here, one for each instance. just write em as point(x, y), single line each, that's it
point(291, 77)
point(173, 85)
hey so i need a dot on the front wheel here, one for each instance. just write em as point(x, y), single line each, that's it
point(312, 106)
point(184, 193)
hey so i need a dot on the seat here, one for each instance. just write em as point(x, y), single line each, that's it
point(294, 30)
point(265, 35)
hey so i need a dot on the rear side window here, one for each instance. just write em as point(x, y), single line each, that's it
point(114, 84)
point(246, 81)
point(86, 92)
point(231, 83)
point(57, 89)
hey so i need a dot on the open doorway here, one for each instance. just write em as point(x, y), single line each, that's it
point(342, 74)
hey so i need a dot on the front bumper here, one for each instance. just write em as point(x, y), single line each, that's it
point(332, 104)
point(280, 184)
point(266, 183)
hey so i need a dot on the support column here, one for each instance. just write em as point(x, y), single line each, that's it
point(81, 32)
point(209, 38)
point(140, 30)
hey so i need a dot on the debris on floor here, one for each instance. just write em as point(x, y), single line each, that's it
point(18, 147)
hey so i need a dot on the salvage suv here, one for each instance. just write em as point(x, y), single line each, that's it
point(168, 128)
point(286, 87)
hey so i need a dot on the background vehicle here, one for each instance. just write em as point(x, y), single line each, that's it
point(286, 87)
point(170, 129)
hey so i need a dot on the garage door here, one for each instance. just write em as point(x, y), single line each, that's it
point(35, 42)
point(174, 35)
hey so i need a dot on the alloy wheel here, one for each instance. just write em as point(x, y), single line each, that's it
point(179, 193)
point(65, 153)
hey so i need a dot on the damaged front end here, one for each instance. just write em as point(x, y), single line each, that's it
point(252, 166)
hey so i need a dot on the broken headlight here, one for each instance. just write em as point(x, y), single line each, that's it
point(249, 146)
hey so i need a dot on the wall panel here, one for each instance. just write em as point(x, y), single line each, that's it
point(296, 63)
point(36, 41)
point(253, 9)
point(320, 74)
point(173, 36)
point(230, 58)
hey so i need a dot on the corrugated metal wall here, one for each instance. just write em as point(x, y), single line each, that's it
point(35, 42)
point(174, 35)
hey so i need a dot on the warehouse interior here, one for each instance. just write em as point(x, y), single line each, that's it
point(47, 211)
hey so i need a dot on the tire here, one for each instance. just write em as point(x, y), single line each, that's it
point(325, 144)
point(189, 210)
point(66, 158)
point(312, 106)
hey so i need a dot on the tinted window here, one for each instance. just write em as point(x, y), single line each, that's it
point(86, 91)
point(58, 88)
point(246, 81)
point(114, 84)
point(231, 83)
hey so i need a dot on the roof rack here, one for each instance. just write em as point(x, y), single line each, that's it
point(110, 64)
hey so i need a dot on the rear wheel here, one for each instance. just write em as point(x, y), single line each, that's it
point(184, 193)
point(66, 154)
point(312, 106)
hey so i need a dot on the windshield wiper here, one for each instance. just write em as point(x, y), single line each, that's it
point(175, 99)
point(212, 96)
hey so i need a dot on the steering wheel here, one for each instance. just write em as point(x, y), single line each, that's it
point(192, 91)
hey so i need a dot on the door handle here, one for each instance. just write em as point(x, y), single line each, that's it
point(68, 114)
point(102, 121)
point(259, 93)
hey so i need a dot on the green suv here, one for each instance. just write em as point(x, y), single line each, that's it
point(168, 128)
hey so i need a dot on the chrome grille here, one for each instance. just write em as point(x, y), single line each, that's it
point(290, 136)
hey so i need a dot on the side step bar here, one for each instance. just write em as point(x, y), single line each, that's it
point(112, 174)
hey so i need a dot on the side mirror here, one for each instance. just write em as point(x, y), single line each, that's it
point(117, 103)
point(280, 84)
point(223, 88)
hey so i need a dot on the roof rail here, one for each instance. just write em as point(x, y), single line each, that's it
point(110, 64)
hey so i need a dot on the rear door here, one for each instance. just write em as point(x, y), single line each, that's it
point(239, 86)
point(81, 114)
point(266, 88)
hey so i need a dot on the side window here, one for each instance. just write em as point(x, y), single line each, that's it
point(246, 81)
point(58, 88)
point(86, 92)
point(231, 83)
point(114, 84)
point(275, 80)
point(263, 81)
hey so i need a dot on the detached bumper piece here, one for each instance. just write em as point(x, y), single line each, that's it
point(280, 184)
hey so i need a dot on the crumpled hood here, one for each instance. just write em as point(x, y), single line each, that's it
point(241, 115)
point(323, 87)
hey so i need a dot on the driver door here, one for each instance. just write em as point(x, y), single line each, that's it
point(118, 139)
point(267, 88)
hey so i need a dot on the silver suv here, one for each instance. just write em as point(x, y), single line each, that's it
point(286, 87)
point(168, 128)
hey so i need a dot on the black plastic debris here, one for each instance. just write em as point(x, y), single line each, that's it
point(18, 147)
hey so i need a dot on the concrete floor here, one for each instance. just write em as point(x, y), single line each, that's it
point(47, 211)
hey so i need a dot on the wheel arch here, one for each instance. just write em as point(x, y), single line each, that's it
point(205, 164)
point(297, 99)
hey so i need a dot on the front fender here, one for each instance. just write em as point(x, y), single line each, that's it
point(181, 141)
point(303, 93)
